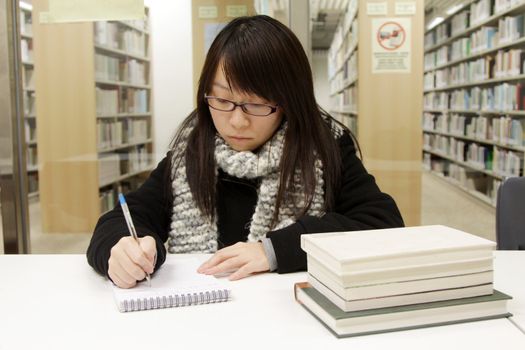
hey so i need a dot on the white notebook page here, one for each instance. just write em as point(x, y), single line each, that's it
point(176, 277)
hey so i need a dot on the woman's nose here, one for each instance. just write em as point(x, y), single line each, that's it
point(238, 119)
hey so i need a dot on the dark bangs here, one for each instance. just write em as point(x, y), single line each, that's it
point(251, 58)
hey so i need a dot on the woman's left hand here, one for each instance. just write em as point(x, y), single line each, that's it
point(245, 258)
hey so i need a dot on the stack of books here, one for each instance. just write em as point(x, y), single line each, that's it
point(373, 281)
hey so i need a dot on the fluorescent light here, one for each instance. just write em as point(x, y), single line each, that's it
point(454, 9)
point(435, 22)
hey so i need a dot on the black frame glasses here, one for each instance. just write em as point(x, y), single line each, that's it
point(244, 106)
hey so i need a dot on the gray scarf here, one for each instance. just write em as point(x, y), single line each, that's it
point(191, 232)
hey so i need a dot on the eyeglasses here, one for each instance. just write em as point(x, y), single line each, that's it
point(256, 109)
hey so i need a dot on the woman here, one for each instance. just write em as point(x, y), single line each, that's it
point(256, 165)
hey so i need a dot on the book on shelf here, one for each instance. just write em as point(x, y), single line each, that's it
point(399, 318)
point(389, 299)
point(175, 284)
point(108, 167)
point(369, 250)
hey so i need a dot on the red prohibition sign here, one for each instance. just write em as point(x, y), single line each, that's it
point(396, 36)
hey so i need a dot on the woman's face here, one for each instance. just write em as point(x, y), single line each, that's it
point(242, 131)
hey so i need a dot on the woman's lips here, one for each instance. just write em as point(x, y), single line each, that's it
point(240, 138)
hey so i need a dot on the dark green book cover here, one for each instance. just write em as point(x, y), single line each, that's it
point(336, 313)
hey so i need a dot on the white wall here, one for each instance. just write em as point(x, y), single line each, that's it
point(320, 73)
point(172, 64)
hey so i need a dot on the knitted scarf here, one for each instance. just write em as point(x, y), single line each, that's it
point(191, 232)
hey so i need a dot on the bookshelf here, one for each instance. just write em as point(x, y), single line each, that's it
point(379, 105)
point(474, 100)
point(29, 95)
point(342, 68)
point(95, 137)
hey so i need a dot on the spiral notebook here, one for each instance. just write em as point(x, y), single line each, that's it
point(176, 283)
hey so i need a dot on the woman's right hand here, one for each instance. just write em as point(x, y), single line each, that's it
point(129, 260)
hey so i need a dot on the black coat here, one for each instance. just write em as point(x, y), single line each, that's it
point(360, 205)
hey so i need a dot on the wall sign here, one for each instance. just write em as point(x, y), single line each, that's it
point(391, 45)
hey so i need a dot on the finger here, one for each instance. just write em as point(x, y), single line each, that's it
point(149, 247)
point(217, 258)
point(242, 272)
point(225, 266)
point(118, 278)
point(129, 271)
point(118, 282)
point(137, 256)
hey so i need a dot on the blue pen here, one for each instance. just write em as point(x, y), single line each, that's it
point(131, 227)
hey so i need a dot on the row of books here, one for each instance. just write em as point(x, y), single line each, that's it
point(502, 5)
point(28, 77)
point(350, 121)
point(30, 129)
point(108, 167)
point(132, 160)
point(508, 163)
point(32, 182)
point(116, 36)
point(111, 101)
point(500, 161)
point(26, 50)
point(342, 29)
point(29, 104)
point(476, 155)
point(366, 282)
point(108, 197)
point(473, 181)
point(511, 28)
point(345, 100)
point(107, 200)
point(119, 70)
point(121, 132)
point(32, 157)
point(503, 129)
point(503, 64)
point(480, 11)
point(346, 75)
point(501, 97)
point(345, 39)
point(26, 23)
point(469, 17)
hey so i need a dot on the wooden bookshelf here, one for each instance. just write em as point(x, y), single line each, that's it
point(379, 107)
point(95, 117)
point(474, 99)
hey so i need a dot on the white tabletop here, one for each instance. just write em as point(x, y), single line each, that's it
point(59, 302)
point(509, 278)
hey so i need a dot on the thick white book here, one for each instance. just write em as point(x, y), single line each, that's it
point(407, 247)
point(367, 291)
point(402, 299)
point(389, 275)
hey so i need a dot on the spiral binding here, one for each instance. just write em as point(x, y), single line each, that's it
point(208, 297)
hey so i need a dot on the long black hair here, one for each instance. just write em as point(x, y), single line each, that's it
point(261, 56)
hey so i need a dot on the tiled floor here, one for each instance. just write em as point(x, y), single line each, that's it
point(441, 204)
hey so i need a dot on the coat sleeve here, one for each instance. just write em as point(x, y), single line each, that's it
point(150, 211)
point(360, 205)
